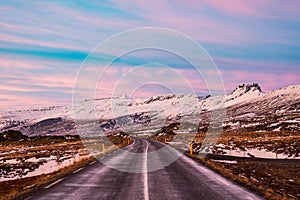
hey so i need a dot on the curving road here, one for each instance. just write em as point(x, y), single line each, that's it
point(182, 179)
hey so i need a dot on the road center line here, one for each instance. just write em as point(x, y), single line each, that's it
point(146, 192)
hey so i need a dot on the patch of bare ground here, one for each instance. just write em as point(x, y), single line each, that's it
point(282, 142)
point(17, 189)
point(44, 147)
point(272, 180)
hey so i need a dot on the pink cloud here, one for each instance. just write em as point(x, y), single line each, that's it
point(111, 83)
point(20, 88)
point(17, 88)
point(13, 102)
point(254, 8)
point(89, 18)
point(202, 27)
point(26, 40)
point(191, 18)
point(57, 80)
point(236, 7)
point(26, 29)
point(13, 63)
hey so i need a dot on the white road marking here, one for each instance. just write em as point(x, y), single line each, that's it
point(222, 181)
point(102, 158)
point(249, 198)
point(146, 192)
point(78, 170)
point(59, 180)
point(211, 175)
point(81, 185)
point(92, 163)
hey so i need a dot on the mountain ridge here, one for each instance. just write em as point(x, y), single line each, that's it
point(153, 112)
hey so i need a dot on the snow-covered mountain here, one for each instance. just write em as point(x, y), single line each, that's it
point(243, 93)
point(247, 109)
point(274, 111)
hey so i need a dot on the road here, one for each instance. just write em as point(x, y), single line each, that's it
point(182, 179)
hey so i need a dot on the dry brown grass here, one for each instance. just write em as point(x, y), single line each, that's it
point(272, 180)
point(19, 188)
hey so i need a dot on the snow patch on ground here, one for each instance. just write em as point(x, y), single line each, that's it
point(258, 153)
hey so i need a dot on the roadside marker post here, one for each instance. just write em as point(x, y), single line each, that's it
point(191, 149)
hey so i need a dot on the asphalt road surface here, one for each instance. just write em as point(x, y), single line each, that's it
point(182, 179)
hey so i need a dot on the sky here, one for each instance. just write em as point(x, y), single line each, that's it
point(44, 43)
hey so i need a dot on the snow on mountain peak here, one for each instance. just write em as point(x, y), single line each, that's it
point(292, 89)
point(245, 88)
point(124, 96)
point(243, 93)
point(152, 112)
